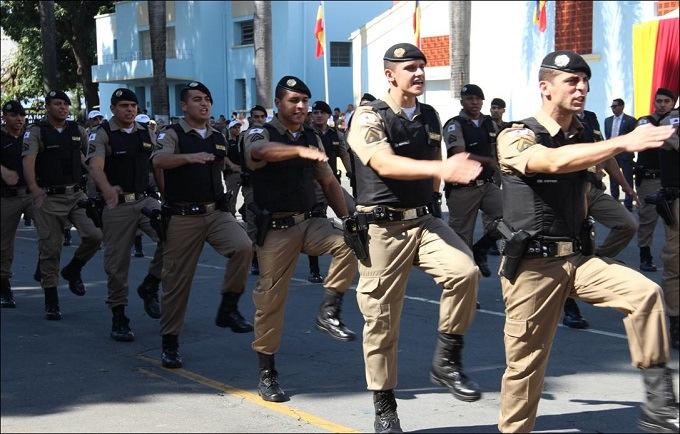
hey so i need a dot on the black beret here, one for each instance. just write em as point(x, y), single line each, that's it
point(367, 97)
point(471, 89)
point(498, 102)
point(403, 52)
point(665, 92)
point(196, 85)
point(123, 94)
point(566, 61)
point(57, 94)
point(258, 108)
point(294, 84)
point(13, 106)
point(321, 105)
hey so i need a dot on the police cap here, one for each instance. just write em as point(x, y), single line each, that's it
point(57, 94)
point(404, 52)
point(196, 85)
point(471, 89)
point(566, 61)
point(294, 84)
point(498, 102)
point(665, 92)
point(321, 105)
point(123, 94)
point(367, 97)
point(13, 106)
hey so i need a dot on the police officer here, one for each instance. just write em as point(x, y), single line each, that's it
point(366, 99)
point(286, 158)
point(543, 161)
point(232, 170)
point(191, 155)
point(119, 160)
point(473, 132)
point(52, 163)
point(397, 142)
point(15, 198)
point(497, 110)
point(647, 179)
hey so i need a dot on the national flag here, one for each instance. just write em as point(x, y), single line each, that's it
point(319, 32)
point(540, 18)
point(416, 25)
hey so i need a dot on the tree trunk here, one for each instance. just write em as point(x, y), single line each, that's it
point(159, 87)
point(49, 45)
point(459, 44)
point(84, 62)
point(263, 53)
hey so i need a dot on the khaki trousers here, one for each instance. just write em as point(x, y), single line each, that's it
point(671, 260)
point(120, 225)
point(533, 306)
point(648, 215)
point(181, 250)
point(429, 244)
point(11, 209)
point(233, 183)
point(465, 202)
point(249, 218)
point(610, 213)
point(51, 218)
point(277, 258)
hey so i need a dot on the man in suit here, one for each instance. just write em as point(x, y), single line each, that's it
point(618, 125)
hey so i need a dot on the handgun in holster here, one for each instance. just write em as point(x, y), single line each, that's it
point(222, 203)
point(93, 208)
point(663, 206)
point(159, 220)
point(355, 233)
point(587, 237)
point(263, 221)
point(513, 246)
point(151, 192)
point(435, 206)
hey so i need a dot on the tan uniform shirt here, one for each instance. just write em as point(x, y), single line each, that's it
point(99, 139)
point(167, 140)
point(33, 142)
point(672, 119)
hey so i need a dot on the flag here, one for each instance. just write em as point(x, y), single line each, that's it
point(416, 25)
point(319, 33)
point(540, 18)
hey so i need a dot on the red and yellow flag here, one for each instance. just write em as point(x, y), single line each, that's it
point(540, 18)
point(319, 32)
point(416, 25)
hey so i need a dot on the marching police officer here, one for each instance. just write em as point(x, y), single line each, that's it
point(52, 163)
point(191, 155)
point(119, 160)
point(473, 132)
point(548, 253)
point(232, 170)
point(397, 147)
point(15, 198)
point(286, 158)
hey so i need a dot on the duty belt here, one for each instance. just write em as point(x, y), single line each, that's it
point(651, 173)
point(63, 189)
point(131, 197)
point(475, 183)
point(382, 214)
point(286, 222)
point(551, 249)
point(13, 191)
point(190, 209)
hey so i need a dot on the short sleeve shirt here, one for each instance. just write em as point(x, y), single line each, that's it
point(99, 140)
point(167, 140)
point(33, 140)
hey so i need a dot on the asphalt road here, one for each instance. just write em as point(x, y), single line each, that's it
point(70, 376)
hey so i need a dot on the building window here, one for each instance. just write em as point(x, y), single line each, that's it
point(341, 54)
point(245, 32)
point(240, 94)
point(145, 44)
point(574, 26)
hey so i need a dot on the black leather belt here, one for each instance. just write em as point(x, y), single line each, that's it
point(475, 183)
point(551, 249)
point(131, 197)
point(287, 222)
point(63, 189)
point(13, 191)
point(381, 214)
point(190, 209)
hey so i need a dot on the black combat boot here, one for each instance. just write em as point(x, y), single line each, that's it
point(71, 273)
point(37, 274)
point(229, 316)
point(170, 357)
point(328, 318)
point(675, 331)
point(646, 261)
point(447, 368)
point(120, 328)
point(67, 237)
point(479, 250)
point(52, 312)
point(268, 387)
point(148, 291)
point(659, 413)
point(572, 315)
point(139, 252)
point(255, 267)
point(386, 419)
point(314, 272)
point(6, 296)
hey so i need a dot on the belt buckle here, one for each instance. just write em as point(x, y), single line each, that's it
point(298, 218)
point(479, 182)
point(128, 197)
point(410, 214)
point(564, 248)
point(69, 189)
point(210, 207)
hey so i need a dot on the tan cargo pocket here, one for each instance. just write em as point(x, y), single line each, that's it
point(368, 285)
point(515, 328)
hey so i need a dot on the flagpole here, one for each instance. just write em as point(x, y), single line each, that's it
point(325, 53)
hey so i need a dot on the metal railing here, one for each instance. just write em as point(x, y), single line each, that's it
point(181, 54)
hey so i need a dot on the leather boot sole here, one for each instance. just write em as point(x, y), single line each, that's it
point(653, 427)
point(323, 328)
point(455, 393)
point(273, 398)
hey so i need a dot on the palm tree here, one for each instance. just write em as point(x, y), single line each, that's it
point(159, 86)
point(262, 24)
point(49, 45)
point(459, 44)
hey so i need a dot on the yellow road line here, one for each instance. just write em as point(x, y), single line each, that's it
point(284, 409)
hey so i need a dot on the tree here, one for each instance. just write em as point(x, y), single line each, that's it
point(159, 86)
point(262, 23)
point(460, 13)
point(48, 30)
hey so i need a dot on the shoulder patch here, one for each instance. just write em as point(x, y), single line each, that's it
point(91, 149)
point(92, 137)
point(255, 131)
point(674, 121)
point(643, 121)
point(27, 134)
point(160, 136)
point(369, 117)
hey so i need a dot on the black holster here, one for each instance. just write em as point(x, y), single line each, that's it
point(587, 237)
point(159, 220)
point(435, 206)
point(355, 233)
point(513, 246)
point(663, 203)
point(93, 208)
point(263, 221)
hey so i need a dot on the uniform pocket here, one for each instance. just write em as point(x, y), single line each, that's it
point(515, 328)
point(368, 285)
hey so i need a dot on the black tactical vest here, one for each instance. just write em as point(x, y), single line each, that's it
point(670, 168)
point(545, 204)
point(58, 160)
point(478, 140)
point(331, 145)
point(286, 186)
point(419, 139)
point(128, 165)
point(233, 152)
point(11, 156)
point(649, 159)
point(196, 183)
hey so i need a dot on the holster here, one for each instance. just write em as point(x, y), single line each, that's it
point(663, 206)
point(222, 203)
point(355, 233)
point(93, 208)
point(435, 206)
point(513, 246)
point(159, 220)
point(587, 237)
point(447, 190)
point(263, 221)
